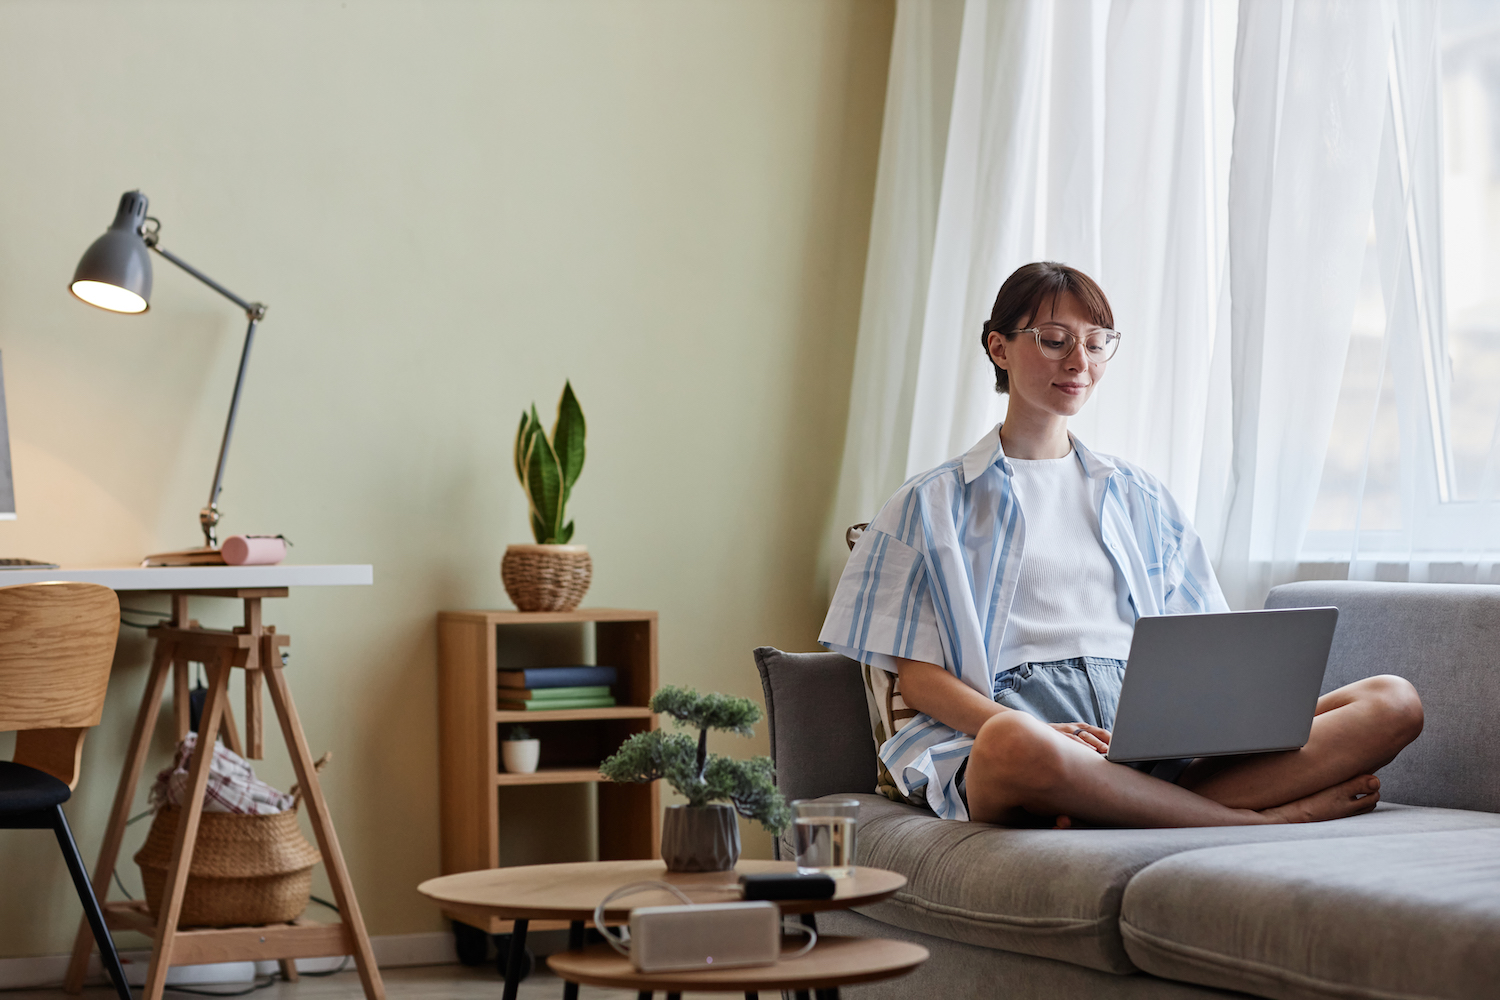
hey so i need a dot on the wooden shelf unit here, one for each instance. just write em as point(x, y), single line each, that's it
point(574, 741)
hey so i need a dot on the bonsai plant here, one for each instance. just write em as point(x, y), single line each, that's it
point(702, 835)
point(551, 575)
point(520, 751)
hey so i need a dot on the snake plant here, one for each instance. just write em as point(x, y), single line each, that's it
point(549, 468)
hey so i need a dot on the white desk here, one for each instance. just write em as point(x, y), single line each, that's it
point(187, 578)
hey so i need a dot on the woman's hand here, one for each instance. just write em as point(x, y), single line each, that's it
point(1090, 736)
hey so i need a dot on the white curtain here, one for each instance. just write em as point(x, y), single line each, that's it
point(1213, 164)
point(1085, 131)
point(1310, 92)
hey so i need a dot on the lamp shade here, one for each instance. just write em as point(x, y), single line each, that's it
point(115, 272)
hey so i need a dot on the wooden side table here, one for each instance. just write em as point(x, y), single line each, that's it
point(833, 962)
point(570, 892)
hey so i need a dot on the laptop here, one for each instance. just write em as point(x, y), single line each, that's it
point(1209, 685)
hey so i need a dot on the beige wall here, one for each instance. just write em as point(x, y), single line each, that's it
point(450, 208)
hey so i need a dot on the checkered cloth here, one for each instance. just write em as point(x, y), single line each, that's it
point(232, 784)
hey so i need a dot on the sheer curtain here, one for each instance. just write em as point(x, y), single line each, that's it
point(1087, 131)
point(1213, 164)
point(1310, 93)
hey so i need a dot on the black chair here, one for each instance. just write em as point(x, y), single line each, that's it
point(56, 644)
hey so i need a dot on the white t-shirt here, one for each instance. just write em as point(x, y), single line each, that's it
point(1067, 599)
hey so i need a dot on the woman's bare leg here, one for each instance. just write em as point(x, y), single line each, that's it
point(1358, 729)
point(1021, 765)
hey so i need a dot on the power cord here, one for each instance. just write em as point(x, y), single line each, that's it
point(259, 984)
point(622, 942)
point(160, 617)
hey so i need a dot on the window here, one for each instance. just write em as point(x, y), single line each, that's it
point(1412, 471)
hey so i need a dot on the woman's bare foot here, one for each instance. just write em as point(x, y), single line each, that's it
point(1350, 798)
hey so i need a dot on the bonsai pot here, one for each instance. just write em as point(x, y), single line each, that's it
point(700, 838)
point(520, 756)
point(546, 577)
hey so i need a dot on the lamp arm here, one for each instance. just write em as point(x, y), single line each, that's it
point(253, 310)
point(208, 517)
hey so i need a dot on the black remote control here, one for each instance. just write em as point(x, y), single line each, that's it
point(812, 886)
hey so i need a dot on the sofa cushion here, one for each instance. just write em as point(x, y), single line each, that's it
point(1443, 638)
point(1056, 893)
point(1388, 916)
point(820, 736)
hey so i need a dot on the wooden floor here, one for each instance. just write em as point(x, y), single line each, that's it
point(432, 982)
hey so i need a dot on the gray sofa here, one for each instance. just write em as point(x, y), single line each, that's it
point(1401, 902)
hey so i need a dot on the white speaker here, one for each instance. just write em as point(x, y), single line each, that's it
point(710, 936)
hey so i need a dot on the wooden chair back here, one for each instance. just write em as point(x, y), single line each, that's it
point(57, 641)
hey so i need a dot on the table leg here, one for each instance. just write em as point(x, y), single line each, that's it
point(575, 943)
point(186, 835)
point(322, 823)
point(751, 995)
point(674, 996)
point(517, 959)
point(182, 684)
point(643, 995)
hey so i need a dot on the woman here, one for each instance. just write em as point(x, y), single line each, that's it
point(1003, 587)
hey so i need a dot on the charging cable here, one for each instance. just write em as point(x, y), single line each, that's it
point(621, 942)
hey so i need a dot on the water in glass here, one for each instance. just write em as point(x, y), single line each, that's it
point(824, 844)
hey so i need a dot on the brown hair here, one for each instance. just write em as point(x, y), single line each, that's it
point(1021, 298)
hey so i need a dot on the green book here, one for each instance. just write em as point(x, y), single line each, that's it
point(555, 704)
point(554, 694)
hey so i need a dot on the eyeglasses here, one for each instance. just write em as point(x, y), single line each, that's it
point(1057, 342)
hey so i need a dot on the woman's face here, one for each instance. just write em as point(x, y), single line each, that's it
point(1039, 384)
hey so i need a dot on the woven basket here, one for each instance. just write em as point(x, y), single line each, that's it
point(245, 870)
point(546, 577)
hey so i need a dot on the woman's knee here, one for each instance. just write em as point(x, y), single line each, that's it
point(1017, 751)
point(1396, 704)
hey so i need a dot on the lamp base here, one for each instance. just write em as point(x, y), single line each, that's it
point(186, 557)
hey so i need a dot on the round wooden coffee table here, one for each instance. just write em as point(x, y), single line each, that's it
point(833, 962)
point(571, 891)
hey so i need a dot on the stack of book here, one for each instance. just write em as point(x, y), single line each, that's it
point(542, 689)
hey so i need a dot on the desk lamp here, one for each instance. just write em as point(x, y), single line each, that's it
point(115, 274)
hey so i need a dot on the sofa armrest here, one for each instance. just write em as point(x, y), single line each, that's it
point(1445, 639)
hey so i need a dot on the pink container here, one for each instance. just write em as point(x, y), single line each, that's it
point(253, 550)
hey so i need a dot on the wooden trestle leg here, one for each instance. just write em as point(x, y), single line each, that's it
point(322, 822)
point(257, 651)
point(187, 829)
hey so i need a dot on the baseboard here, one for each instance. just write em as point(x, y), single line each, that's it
point(391, 951)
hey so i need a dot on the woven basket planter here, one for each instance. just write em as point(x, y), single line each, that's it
point(246, 869)
point(546, 577)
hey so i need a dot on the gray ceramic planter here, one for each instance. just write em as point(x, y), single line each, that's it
point(702, 839)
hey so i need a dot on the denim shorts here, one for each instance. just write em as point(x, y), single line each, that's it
point(1081, 689)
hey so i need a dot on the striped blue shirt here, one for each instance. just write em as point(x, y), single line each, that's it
point(934, 576)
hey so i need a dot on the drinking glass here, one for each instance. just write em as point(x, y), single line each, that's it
point(823, 831)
